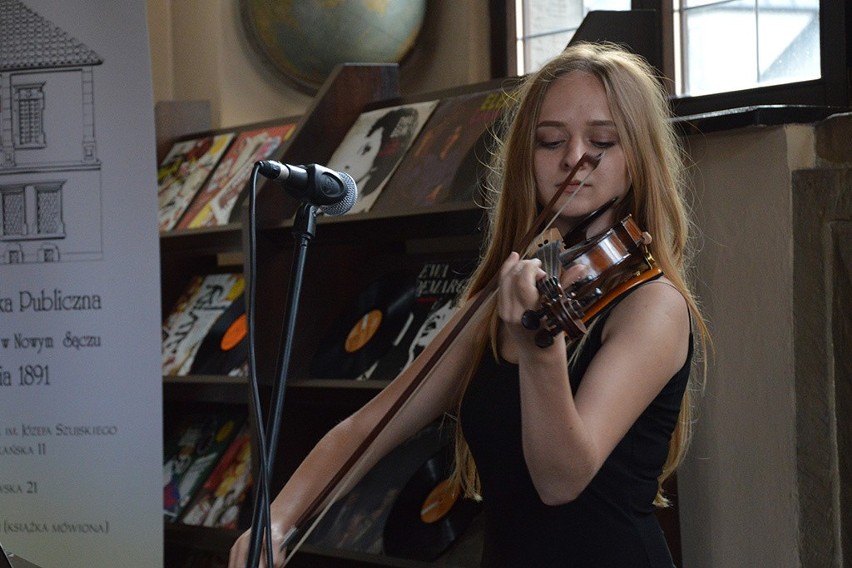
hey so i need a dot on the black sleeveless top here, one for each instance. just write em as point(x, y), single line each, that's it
point(612, 523)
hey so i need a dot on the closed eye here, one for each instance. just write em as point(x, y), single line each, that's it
point(603, 145)
point(549, 144)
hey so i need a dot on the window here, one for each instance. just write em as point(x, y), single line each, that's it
point(29, 116)
point(14, 212)
point(719, 54)
point(49, 210)
point(31, 211)
point(730, 45)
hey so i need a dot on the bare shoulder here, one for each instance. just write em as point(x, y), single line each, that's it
point(655, 318)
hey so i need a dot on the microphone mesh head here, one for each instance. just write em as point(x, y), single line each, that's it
point(348, 201)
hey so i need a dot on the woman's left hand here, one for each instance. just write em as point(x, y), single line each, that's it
point(517, 291)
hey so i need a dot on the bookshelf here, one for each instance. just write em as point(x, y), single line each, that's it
point(346, 253)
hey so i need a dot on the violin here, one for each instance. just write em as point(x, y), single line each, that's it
point(604, 258)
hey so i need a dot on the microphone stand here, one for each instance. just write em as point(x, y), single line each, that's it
point(304, 229)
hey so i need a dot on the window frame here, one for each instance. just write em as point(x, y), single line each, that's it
point(831, 91)
point(34, 119)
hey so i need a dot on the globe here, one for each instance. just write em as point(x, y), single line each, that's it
point(305, 39)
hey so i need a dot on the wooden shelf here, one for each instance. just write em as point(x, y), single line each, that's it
point(347, 252)
point(204, 241)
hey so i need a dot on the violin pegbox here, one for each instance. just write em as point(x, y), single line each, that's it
point(558, 311)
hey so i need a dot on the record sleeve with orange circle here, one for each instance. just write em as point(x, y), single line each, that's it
point(367, 331)
point(225, 347)
point(429, 514)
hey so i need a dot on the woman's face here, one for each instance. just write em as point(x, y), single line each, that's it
point(575, 119)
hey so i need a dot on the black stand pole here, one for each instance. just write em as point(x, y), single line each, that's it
point(304, 229)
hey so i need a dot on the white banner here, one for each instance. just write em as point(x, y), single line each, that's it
point(80, 366)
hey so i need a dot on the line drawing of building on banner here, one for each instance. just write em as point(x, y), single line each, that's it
point(50, 175)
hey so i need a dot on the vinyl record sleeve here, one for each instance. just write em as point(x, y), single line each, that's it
point(375, 144)
point(186, 326)
point(183, 172)
point(439, 284)
point(213, 204)
point(220, 500)
point(200, 442)
point(225, 347)
point(441, 165)
point(368, 329)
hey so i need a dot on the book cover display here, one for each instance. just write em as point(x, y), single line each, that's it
point(183, 172)
point(204, 300)
point(214, 203)
point(374, 146)
point(442, 164)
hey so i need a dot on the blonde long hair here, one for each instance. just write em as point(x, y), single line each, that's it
point(655, 163)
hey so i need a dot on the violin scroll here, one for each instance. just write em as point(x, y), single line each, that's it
point(559, 312)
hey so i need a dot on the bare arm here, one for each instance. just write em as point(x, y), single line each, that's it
point(566, 439)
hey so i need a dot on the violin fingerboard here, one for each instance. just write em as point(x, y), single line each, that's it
point(547, 247)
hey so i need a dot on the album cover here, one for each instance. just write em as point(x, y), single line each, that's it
point(213, 204)
point(373, 147)
point(437, 290)
point(368, 329)
point(430, 513)
point(183, 172)
point(195, 312)
point(444, 163)
point(201, 440)
point(219, 501)
point(224, 350)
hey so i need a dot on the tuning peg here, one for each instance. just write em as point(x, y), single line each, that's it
point(531, 319)
point(543, 339)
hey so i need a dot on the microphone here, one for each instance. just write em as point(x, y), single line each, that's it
point(333, 192)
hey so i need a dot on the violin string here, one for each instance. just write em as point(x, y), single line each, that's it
point(548, 254)
point(553, 259)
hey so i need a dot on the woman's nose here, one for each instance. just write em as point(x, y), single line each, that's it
point(574, 151)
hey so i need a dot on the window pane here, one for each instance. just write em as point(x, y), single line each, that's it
point(788, 41)
point(48, 211)
point(719, 47)
point(743, 44)
point(14, 220)
point(546, 27)
point(538, 50)
point(542, 17)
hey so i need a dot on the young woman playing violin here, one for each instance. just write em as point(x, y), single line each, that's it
point(567, 445)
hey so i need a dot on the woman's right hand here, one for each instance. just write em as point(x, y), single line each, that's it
point(240, 550)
